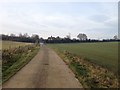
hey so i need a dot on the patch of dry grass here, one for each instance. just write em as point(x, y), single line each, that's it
point(11, 44)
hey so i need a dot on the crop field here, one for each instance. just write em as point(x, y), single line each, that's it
point(101, 53)
point(11, 44)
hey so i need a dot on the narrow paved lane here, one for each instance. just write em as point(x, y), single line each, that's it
point(45, 70)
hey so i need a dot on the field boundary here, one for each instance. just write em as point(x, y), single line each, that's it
point(19, 64)
point(94, 77)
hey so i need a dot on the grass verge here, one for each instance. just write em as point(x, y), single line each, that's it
point(100, 53)
point(89, 74)
point(17, 59)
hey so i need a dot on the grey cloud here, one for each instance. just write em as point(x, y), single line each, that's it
point(99, 18)
point(111, 23)
point(101, 33)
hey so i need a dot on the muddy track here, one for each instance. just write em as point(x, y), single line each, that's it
point(45, 70)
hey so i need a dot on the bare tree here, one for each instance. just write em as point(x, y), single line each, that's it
point(36, 38)
point(82, 37)
point(68, 36)
point(115, 37)
point(20, 35)
point(12, 35)
point(25, 35)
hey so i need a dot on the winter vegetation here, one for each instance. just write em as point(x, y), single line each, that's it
point(81, 37)
point(95, 64)
point(15, 55)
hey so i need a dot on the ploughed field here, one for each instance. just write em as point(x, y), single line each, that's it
point(102, 53)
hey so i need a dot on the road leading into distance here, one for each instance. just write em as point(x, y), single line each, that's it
point(45, 70)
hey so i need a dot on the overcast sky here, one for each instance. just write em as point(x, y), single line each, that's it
point(96, 19)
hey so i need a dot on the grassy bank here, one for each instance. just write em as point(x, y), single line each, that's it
point(89, 72)
point(104, 54)
point(15, 58)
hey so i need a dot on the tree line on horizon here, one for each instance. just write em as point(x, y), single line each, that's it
point(36, 39)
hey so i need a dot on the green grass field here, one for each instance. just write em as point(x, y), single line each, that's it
point(11, 44)
point(101, 53)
